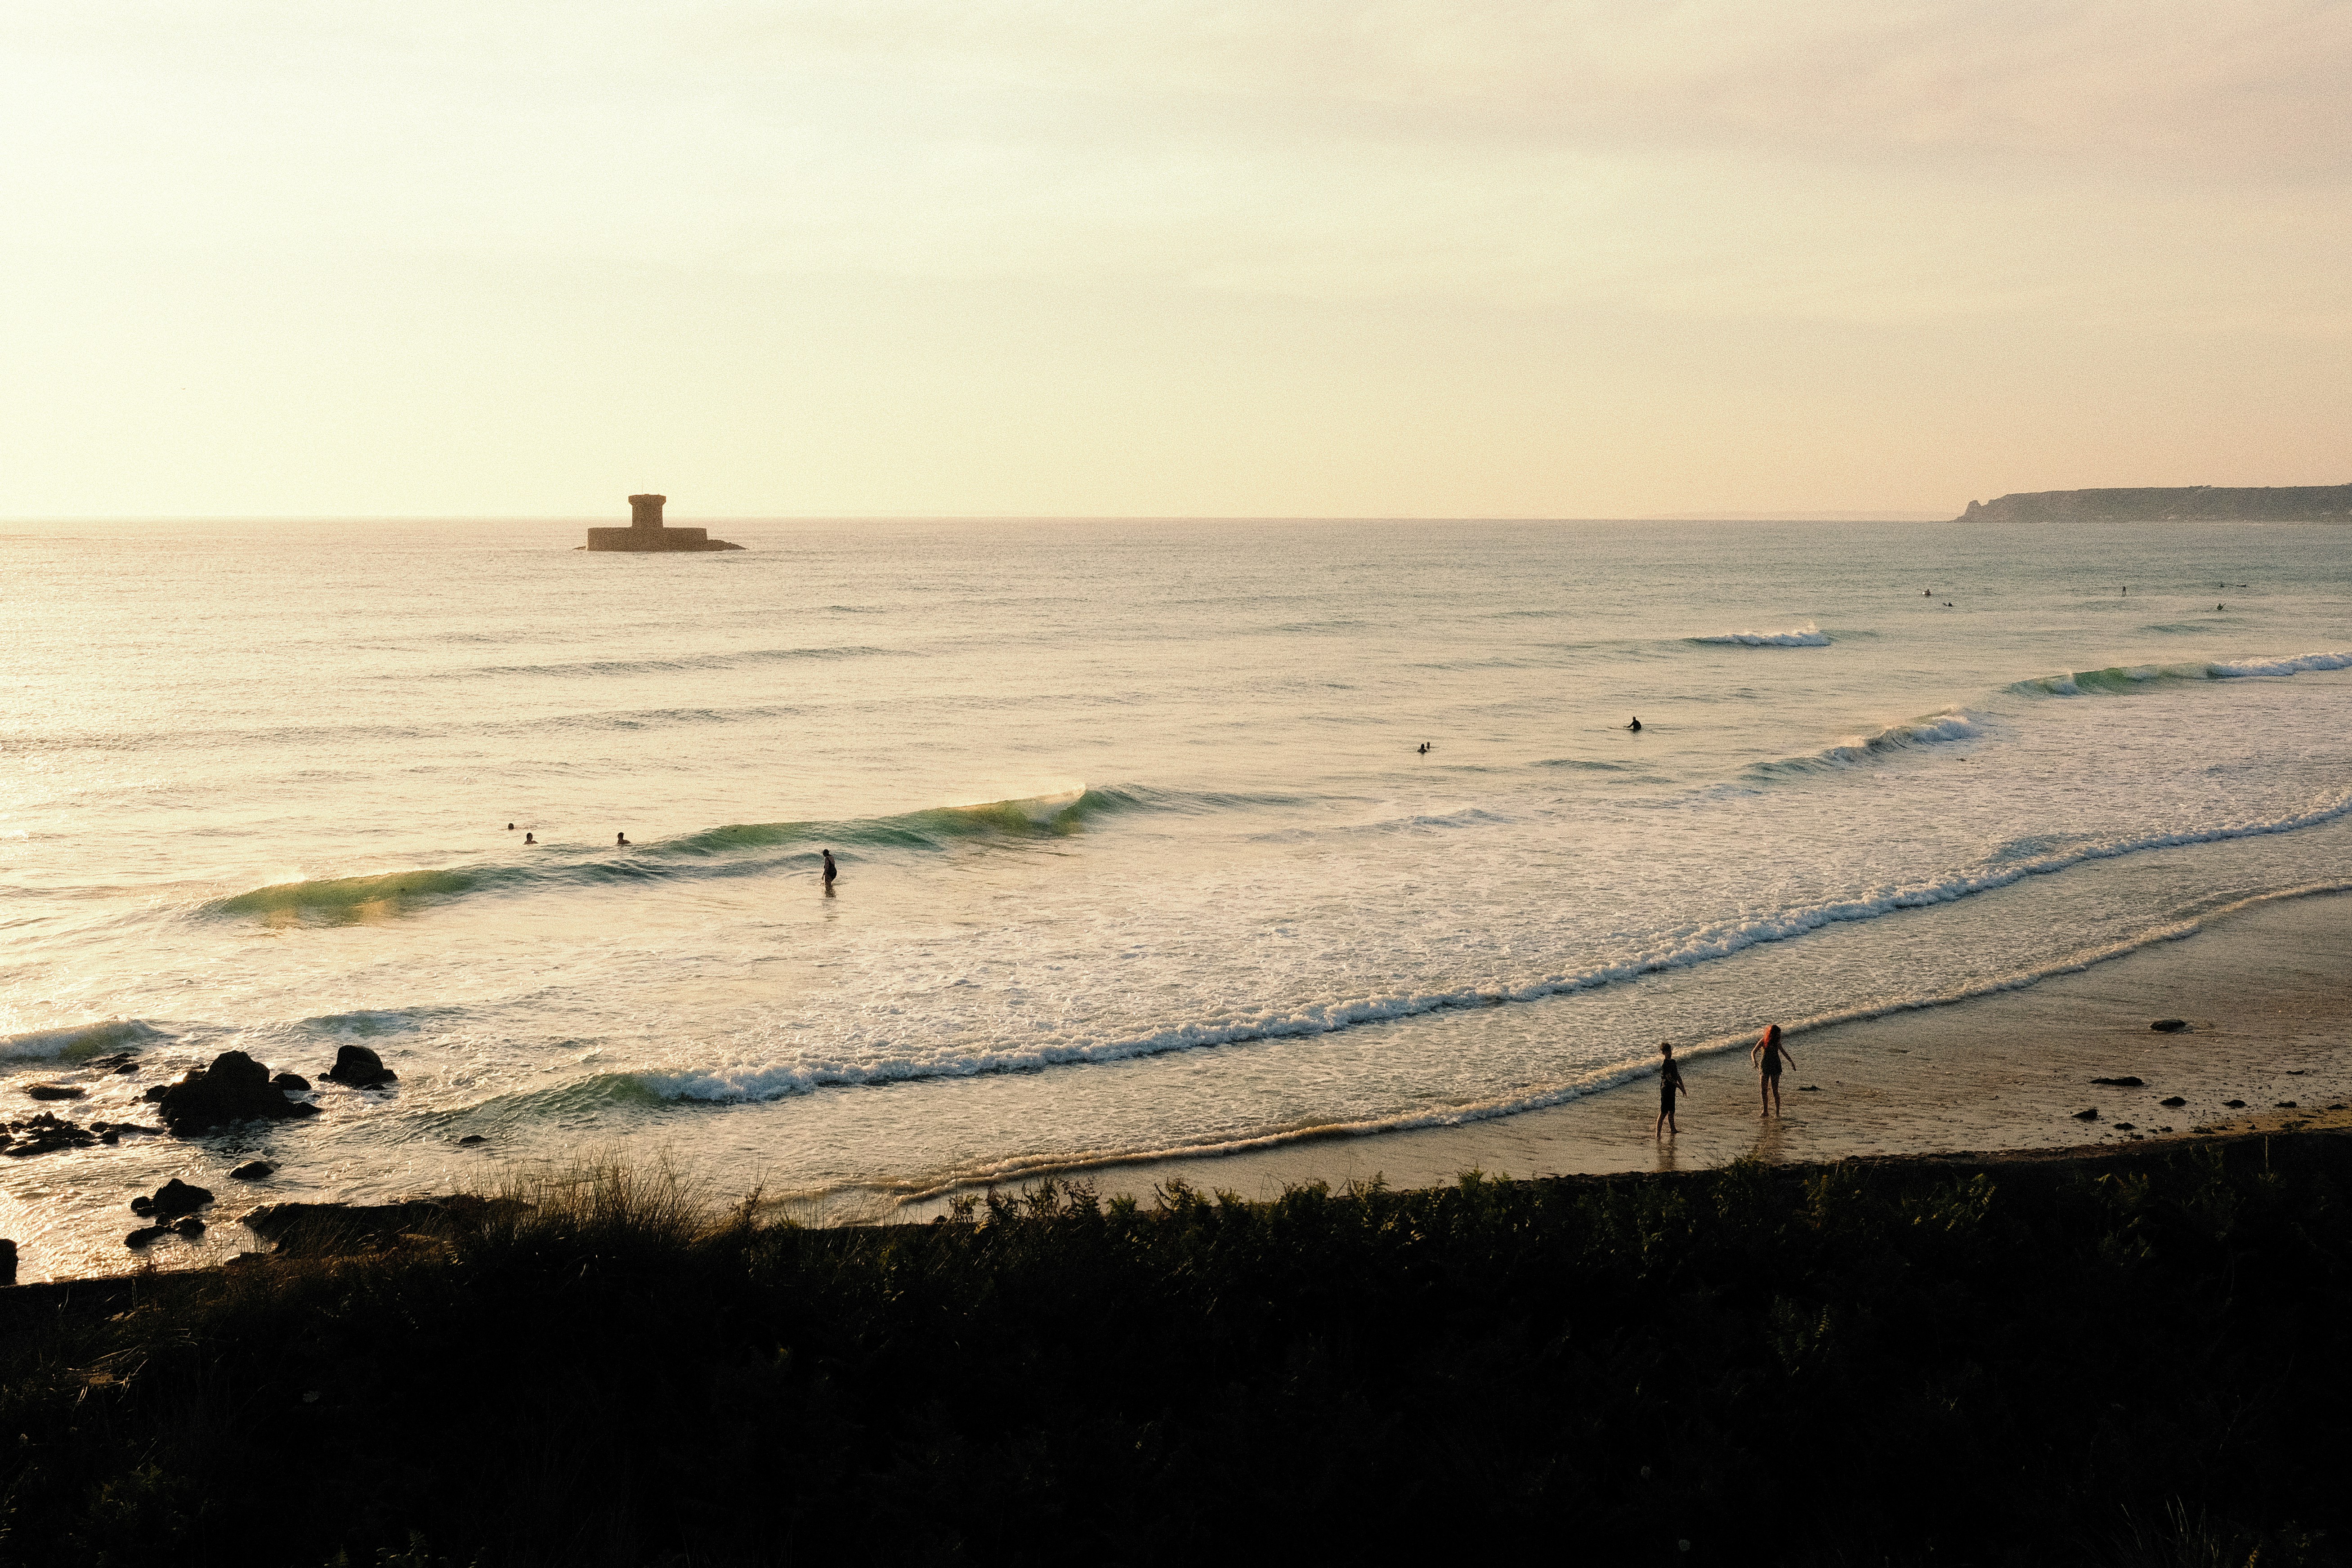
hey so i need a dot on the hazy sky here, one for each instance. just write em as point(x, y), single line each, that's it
point(1604, 258)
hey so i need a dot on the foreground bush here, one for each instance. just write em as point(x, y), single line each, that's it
point(2135, 1359)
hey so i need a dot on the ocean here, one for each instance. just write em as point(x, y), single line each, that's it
point(1139, 852)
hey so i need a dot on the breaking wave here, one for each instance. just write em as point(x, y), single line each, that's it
point(1933, 730)
point(1807, 635)
point(739, 849)
point(2135, 676)
point(79, 1042)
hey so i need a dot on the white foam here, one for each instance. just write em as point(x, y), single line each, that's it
point(1806, 636)
point(1703, 945)
point(1539, 1098)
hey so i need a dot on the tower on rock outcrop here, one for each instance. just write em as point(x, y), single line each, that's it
point(646, 532)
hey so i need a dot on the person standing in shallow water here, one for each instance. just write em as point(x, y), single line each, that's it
point(1670, 1084)
point(1767, 1053)
point(831, 871)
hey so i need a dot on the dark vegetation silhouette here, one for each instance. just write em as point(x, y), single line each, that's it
point(2134, 1358)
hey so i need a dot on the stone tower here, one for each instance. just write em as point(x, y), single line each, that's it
point(646, 532)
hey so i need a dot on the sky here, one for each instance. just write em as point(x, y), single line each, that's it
point(1038, 258)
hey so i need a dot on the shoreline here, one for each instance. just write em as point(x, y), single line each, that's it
point(2265, 989)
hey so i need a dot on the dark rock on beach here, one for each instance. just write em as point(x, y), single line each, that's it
point(53, 1091)
point(234, 1088)
point(188, 1225)
point(2172, 1099)
point(115, 1061)
point(473, 1138)
point(145, 1234)
point(2169, 1026)
point(2236, 1104)
point(2284, 1105)
point(2123, 1127)
point(253, 1171)
point(2090, 1115)
point(360, 1067)
point(319, 1229)
point(289, 1082)
point(2119, 1082)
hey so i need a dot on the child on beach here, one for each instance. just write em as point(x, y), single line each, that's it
point(1767, 1053)
point(1670, 1083)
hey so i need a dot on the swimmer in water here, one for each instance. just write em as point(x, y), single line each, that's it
point(1635, 726)
point(1670, 1083)
point(831, 871)
point(509, 827)
point(621, 841)
point(1424, 748)
point(527, 838)
point(1767, 1053)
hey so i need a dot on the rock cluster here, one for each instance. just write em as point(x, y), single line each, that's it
point(234, 1088)
point(172, 1207)
point(48, 1131)
point(52, 1092)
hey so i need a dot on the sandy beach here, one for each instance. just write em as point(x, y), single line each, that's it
point(2264, 991)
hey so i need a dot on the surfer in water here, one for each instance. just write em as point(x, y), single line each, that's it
point(1635, 726)
point(831, 871)
point(527, 838)
point(621, 841)
point(1424, 748)
point(1767, 1053)
point(1670, 1084)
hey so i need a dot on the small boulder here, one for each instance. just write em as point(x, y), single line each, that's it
point(145, 1234)
point(2172, 1099)
point(253, 1171)
point(360, 1067)
point(188, 1225)
point(2119, 1082)
point(291, 1082)
point(2090, 1115)
point(2123, 1127)
point(473, 1138)
point(53, 1091)
point(2285, 1105)
point(2169, 1026)
point(234, 1088)
point(174, 1197)
point(2236, 1104)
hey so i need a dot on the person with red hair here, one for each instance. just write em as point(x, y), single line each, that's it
point(1767, 1053)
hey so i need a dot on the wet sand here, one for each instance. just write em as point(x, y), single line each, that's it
point(2266, 992)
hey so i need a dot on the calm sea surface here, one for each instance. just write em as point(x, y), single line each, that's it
point(1137, 849)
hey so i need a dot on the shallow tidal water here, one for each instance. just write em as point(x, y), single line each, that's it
point(1138, 853)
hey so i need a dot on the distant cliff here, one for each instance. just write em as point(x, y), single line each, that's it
point(2284, 503)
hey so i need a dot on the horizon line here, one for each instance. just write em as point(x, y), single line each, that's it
point(1826, 514)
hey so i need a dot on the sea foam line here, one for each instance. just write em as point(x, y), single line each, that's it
point(1704, 945)
point(1030, 1166)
